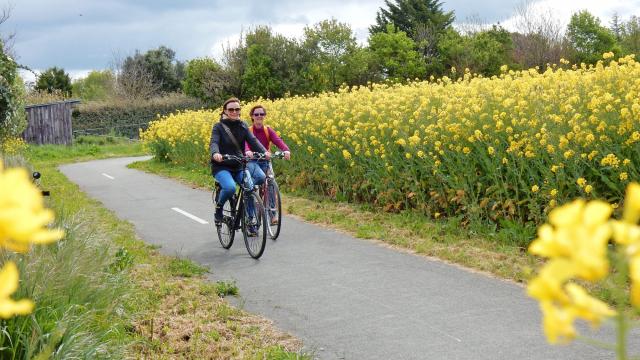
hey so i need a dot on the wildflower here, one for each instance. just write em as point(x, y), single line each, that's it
point(23, 218)
point(535, 189)
point(581, 182)
point(9, 285)
point(588, 189)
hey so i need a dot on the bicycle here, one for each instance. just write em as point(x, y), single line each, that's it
point(270, 193)
point(236, 215)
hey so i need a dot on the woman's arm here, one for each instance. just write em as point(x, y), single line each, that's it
point(214, 143)
point(277, 140)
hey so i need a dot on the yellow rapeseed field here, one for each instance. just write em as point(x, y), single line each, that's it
point(512, 146)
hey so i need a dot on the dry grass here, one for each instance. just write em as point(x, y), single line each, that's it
point(190, 321)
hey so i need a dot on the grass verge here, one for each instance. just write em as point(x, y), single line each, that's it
point(479, 246)
point(103, 293)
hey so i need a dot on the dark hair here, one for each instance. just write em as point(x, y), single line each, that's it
point(229, 100)
point(255, 108)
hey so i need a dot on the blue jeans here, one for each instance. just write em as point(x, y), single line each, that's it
point(257, 169)
point(228, 181)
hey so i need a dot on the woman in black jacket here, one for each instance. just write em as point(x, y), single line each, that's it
point(228, 172)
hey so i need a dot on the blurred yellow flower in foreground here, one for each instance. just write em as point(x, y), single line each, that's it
point(9, 285)
point(575, 240)
point(23, 218)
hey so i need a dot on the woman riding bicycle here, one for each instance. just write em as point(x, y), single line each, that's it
point(228, 137)
point(266, 135)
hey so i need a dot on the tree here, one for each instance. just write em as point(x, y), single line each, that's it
point(630, 36)
point(54, 79)
point(423, 21)
point(133, 79)
point(205, 80)
point(483, 52)
point(161, 64)
point(12, 114)
point(589, 39)
point(539, 37)
point(98, 85)
point(259, 79)
point(328, 44)
point(394, 55)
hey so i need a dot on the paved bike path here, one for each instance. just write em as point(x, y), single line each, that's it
point(345, 298)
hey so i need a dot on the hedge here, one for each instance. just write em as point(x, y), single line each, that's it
point(126, 117)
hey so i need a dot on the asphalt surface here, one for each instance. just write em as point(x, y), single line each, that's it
point(345, 298)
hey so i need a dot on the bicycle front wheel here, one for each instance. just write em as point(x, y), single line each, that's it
point(273, 205)
point(254, 226)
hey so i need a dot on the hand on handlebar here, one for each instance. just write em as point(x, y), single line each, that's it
point(217, 157)
point(287, 155)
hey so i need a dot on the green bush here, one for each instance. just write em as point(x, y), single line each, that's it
point(13, 118)
point(125, 117)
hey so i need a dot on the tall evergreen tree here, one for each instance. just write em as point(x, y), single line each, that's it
point(53, 79)
point(423, 21)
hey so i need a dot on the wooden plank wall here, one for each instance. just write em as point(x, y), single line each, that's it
point(49, 124)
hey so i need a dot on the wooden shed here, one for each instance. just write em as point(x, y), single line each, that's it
point(49, 123)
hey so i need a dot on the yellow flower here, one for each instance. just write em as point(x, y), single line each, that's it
point(23, 218)
point(535, 188)
point(581, 182)
point(346, 154)
point(624, 176)
point(586, 306)
point(557, 323)
point(9, 285)
point(553, 192)
point(588, 189)
point(547, 286)
point(631, 212)
point(491, 150)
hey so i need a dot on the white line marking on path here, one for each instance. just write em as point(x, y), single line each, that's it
point(192, 217)
point(108, 176)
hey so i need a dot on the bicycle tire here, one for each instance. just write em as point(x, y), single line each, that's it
point(255, 242)
point(226, 232)
point(274, 212)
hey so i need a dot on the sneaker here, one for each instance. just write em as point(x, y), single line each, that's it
point(252, 230)
point(218, 215)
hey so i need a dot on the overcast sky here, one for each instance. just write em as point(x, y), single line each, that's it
point(80, 35)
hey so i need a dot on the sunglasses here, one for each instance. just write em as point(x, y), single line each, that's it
point(259, 114)
point(233, 109)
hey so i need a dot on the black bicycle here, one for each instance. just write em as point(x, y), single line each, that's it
point(270, 194)
point(237, 214)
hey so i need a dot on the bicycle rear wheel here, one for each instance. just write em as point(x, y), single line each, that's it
point(225, 230)
point(273, 205)
point(254, 228)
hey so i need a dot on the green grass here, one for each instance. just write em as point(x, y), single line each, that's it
point(478, 245)
point(224, 288)
point(185, 268)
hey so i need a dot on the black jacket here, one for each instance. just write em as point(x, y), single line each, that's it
point(221, 143)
